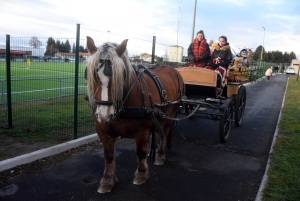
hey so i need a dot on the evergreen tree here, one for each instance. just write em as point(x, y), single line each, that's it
point(67, 46)
point(278, 56)
point(50, 48)
point(286, 57)
point(62, 47)
point(257, 52)
point(292, 56)
point(82, 49)
point(74, 48)
point(267, 56)
point(57, 46)
point(273, 57)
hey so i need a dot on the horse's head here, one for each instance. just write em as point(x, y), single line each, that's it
point(108, 72)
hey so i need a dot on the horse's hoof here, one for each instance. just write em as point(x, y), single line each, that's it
point(159, 161)
point(104, 189)
point(138, 181)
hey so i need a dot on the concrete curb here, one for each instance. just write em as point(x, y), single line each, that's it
point(259, 195)
point(30, 157)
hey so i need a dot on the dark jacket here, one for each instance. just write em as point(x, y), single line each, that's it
point(204, 56)
point(224, 53)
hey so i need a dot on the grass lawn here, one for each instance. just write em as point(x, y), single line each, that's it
point(43, 100)
point(41, 80)
point(50, 120)
point(284, 173)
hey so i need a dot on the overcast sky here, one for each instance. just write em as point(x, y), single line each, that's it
point(169, 20)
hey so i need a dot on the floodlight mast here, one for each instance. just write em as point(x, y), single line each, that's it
point(194, 17)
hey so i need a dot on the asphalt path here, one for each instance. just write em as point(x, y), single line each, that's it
point(197, 168)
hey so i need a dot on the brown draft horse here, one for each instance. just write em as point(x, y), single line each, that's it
point(113, 87)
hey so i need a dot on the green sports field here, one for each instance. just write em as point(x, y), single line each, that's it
point(41, 80)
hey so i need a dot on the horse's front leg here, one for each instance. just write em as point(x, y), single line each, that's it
point(142, 171)
point(109, 175)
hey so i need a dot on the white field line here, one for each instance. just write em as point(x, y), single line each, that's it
point(34, 69)
point(33, 91)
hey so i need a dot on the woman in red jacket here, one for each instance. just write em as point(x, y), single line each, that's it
point(198, 51)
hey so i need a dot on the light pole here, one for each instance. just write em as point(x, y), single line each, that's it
point(193, 26)
point(177, 36)
point(262, 47)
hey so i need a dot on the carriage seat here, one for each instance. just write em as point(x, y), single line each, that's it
point(199, 82)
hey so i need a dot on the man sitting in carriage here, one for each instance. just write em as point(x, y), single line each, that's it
point(221, 57)
point(198, 51)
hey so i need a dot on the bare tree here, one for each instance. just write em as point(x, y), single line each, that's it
point(165, 56)
point(35, 42)
point(211, 42)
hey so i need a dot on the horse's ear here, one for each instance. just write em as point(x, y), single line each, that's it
point(121, 48)
point(91, 45)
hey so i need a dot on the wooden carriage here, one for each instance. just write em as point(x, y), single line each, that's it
point(201, 98)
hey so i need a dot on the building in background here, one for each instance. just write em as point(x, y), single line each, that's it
point(175, 53)
point(144, 57)
point(295, 63)
point(19, 52)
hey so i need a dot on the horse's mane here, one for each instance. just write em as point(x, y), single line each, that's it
point(119, 78)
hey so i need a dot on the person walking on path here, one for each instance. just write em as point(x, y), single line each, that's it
point(268, 73)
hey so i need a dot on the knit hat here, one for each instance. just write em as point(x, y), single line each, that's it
point(201, 33)
point(243, 50)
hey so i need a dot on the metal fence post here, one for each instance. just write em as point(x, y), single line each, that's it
point(153, 49)
point(60, 84)
point(76, 81)
point(2, 92)
point(8, 76)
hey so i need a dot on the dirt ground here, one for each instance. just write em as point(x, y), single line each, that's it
point(16, 146)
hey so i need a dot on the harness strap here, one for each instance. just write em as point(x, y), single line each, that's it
point(101, 102)
point(157, 125)
point(157, 82)
point(168, 103)
point(134, 83)
point(178, 119)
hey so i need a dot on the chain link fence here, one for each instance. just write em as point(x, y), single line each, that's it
point(42, 89)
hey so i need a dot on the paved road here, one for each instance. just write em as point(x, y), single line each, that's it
point(199, 168)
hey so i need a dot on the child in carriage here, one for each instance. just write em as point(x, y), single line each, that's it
point(220, 59)
point(238, 71)
point(243, 55)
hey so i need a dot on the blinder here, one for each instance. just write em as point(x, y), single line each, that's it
point(107, 67)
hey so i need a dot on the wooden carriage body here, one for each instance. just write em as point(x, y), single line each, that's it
point(203, 82)
point(202, 101)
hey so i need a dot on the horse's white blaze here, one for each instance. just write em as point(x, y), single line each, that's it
point(103, 111)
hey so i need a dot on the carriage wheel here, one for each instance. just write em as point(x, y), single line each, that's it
point(239, 105)
point(225, 120)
